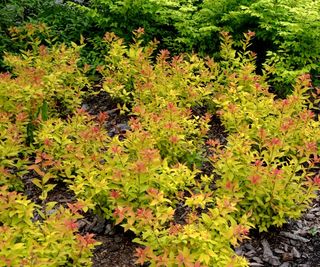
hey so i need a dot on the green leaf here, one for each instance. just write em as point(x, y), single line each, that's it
point(37, 182)
point(207, 219)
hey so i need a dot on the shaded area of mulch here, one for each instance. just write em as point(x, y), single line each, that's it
point(115, 251)
point(116, 248)
point(295, 244)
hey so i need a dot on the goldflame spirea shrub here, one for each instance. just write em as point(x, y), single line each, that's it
point(272, 153)
point(51, 241)
point(43, 83)
point(139, 181)
point(162, 94)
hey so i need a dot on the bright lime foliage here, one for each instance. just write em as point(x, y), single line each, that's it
point(162, 94)
point(130, 182)
point(44, 80)
point(102, 170)
point(132, 75)
point(178, 134)
point(52, 242)
point(12, 149)
point(43, 83)
point(272, 148)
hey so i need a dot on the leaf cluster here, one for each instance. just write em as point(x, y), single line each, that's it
point(52, 241)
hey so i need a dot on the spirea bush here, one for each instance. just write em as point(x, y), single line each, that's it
point(51, 241)
point(269, 162)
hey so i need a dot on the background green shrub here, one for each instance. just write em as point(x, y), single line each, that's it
point(286, 31)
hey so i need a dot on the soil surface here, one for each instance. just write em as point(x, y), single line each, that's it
point(297, 243)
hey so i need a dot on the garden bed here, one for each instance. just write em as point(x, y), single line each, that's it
point(166, 161)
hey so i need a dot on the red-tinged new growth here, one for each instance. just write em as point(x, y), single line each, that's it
point(241, 232)
point(86, 240)
point(102, 117)
point(71, 224)
point(183, 259)
point(143, 255)
point(76, 207)
point(115, 194)
point(316, 180)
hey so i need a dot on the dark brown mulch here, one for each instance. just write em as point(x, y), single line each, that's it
point(116, 248)
point(115, 251)
point(295, 244)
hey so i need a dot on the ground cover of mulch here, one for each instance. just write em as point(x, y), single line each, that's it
point(295, 244)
